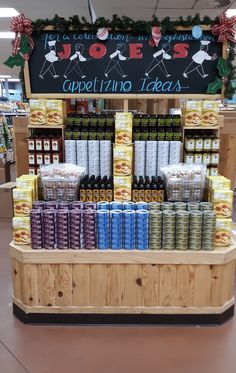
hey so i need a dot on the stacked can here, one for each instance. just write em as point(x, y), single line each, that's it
point(103, 222)
point(62, 229)
point(75, 228)
point(182, 230)
point(77, 205)
point(36, 229)
point(116, 206)
point(89, 229)
point(141, 206)
point(167, 206)
point(116, 226)
point(206, 206)
point(193, 206)
point(38, 205)
point(208, 231)
point(129, 229)
point(142, 222)
point(179, 206)
point(50, 205)
point(195, 234)
point(154, 206)
point(103, 205)
point(90, 206)
point(49, 229)
point(129, 206)
point(64, 205)
point(155, 229)
point(168, 239)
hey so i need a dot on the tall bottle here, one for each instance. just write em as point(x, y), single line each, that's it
point(89, 187)
point(154, 189)
point(141, 190)
point(103, 188)
point(82, 191)
point(161, 190)
point(96, 189)
point(109, 189)
point(135, 191)
point(148, 192)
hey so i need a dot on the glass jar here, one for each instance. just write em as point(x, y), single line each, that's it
point(189, 143)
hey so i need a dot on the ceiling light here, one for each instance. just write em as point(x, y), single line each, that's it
point(230, 13)
point(7, 35)
point(8, 12)
point(11, 80)
point(5, 76)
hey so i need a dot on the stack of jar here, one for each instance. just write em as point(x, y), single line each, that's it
point(203, 150)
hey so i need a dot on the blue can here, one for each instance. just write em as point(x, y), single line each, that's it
point(129, 206)
point(103, 223)
point(142, 223)
point(129, 229)
point(116, 226)
point(116, 206)
point(103, 205)
point(141, 206)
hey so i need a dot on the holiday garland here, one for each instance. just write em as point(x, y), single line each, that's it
point(126, 24)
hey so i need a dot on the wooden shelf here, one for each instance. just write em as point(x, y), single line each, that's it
point(220, 255)
point(201, 128)
point(45, 126)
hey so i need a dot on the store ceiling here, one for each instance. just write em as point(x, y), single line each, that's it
point(137, 9)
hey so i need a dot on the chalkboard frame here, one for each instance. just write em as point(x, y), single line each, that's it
point(217, 96)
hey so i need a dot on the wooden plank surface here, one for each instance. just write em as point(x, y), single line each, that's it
point(184, 285)
point(16, 277)
point(202, 286)
point(80, 284)
point(46, 283)
point(63, 284)
point(217, 285)
point(150, 285)
point(30, 284)
point(167, 289)
point(133, 285)
point(115, 285)
point(98, 285)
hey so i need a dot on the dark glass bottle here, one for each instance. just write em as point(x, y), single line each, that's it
point(109, 189)
point(103, 185)
point(161, 190)
point(148, 192)
point(141, 190)
point(83, 187)
point(135, 190)
point(89, 189)
point(154, 189)
point(96, 189)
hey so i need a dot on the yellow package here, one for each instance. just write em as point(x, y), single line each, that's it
point(54, 112)
point(22, 201)
point(35, 179)
point(123, 128)
point(38, 113)
point(210, 111)
point(223, 202)
point(193, 113)
point(122, 188)
point(122, 160)
point(223, 232)
point(21, 230)
point(23, 183)
point(220, 183)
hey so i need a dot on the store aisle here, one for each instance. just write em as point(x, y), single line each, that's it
point(88, 349)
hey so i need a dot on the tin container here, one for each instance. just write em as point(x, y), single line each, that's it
point(193, 206)
point(182, 230)
point(155, 230)
point(208, 231)
point(154, 206)
point(195, 233)
point(142, 229)
point(129, 229)
point(116, 226)
point(167, 206)
point(103, 231)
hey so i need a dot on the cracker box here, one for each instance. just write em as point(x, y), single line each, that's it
point(35, 178)
point(21, 230)
point(223, 202)
point(122, 160)
point(210, 113)
point(223, 232)
point(122, 188)
point(38, 114)
point(193, 113)
point(22, 201)
point(54, 112)
point(123, 129)
point(26, 183)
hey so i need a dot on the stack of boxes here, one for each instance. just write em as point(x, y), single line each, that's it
point(201, 113)
point(48, 112)
point(25, 193)
point(221, 196)
point(122, 157)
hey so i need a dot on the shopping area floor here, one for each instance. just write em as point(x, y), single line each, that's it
point(107, 349)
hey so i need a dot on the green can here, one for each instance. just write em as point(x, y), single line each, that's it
point(182, 230)
point(168, 240)
point(167, 206)
point(208, 231)
point(179, 206)
point(195, 230)
point(154, 206)
point(193, 206)
point(155, 230)
point(206, 206)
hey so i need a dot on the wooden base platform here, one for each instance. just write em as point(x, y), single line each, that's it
point(123, 286)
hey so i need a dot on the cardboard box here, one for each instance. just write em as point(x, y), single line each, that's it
point(21, 145)
point(6, 200)
point(5, 175)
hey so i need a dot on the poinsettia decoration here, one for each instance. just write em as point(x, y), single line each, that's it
point(225, 29)
point(23, 43)
point(225, 69)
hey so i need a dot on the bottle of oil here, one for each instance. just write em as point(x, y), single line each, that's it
point(161, 190)
point(103, 185)
point(89, 189)
point(82, 191)
point(96, 190)
point(148, 192)
point(141, 190)
point(154, 189)
point(135, 197)
point(109, 190)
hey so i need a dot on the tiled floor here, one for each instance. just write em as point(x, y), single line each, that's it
point(107, 349)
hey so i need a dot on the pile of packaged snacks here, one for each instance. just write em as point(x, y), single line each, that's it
point(221, 196)
point(201, 113)
point(24, 195)
point(184, 183)
point(46, 112)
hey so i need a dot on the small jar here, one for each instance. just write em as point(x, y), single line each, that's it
point(198, 144)
point(189, 144)
point(207, 143)
point(215, 144)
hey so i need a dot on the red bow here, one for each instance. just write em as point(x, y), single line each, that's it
point(225, 29)
point(21, 25)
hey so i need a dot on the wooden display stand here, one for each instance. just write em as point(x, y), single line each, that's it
point(123, 286)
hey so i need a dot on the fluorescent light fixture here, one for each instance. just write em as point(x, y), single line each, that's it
point(230, 13)
point(7, 35)
point(11, 80)
point(5, 76)
point(8, 12)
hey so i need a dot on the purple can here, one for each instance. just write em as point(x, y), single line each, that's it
point(49, 205)
point(38, 205)
point(64, 205)
point(78, 205)
point(90, 206)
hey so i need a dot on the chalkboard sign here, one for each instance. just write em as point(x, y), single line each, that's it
point(75, 63)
